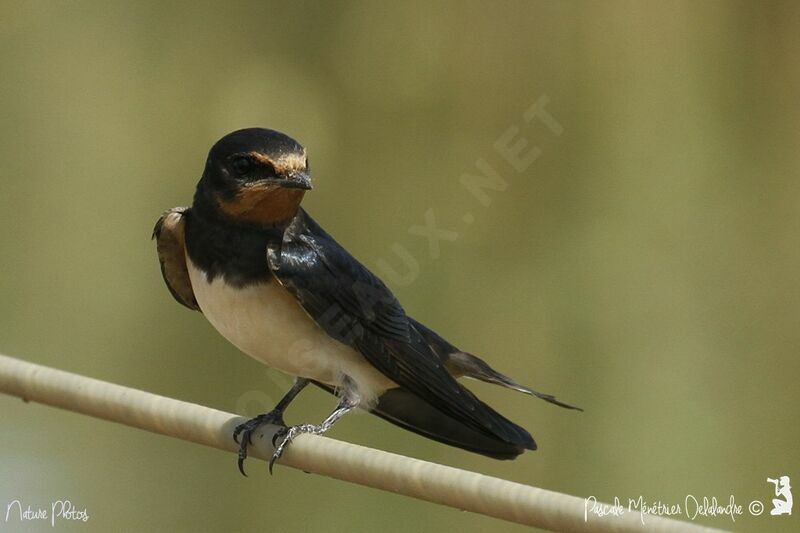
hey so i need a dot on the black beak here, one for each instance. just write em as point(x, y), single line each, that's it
point(296, 179)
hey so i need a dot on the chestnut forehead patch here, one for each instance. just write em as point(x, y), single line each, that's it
point(284, 163)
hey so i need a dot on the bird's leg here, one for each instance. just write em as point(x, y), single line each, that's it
point(273, 417)
point(284, 436)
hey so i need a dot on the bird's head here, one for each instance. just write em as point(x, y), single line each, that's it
point(256, 177)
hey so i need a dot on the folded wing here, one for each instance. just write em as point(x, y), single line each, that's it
point(356, 308)
point(169, 236)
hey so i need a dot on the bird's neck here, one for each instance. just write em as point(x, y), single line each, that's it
point(220, 247)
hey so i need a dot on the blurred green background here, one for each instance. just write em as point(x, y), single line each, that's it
point(645, 266)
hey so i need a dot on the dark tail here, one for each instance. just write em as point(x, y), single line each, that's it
point(410, 412)
point(404, 409)
point(465, 364)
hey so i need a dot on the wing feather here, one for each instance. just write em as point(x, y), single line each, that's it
point(356, 308)
point(170, 245)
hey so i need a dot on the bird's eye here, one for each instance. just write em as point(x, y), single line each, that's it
point(242, 165)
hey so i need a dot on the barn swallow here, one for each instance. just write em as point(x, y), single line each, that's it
point(283, 291)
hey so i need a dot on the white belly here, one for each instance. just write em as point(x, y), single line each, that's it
point(266, 322)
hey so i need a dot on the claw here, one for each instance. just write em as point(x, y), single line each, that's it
point(346, 405)
point(288, 434)
point(272, 462)
point(283, 434)
point(246, 441)
point(246, 431)
point(242, 457)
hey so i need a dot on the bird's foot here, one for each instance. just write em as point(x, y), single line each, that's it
point(246, 431)
point(285, 435)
